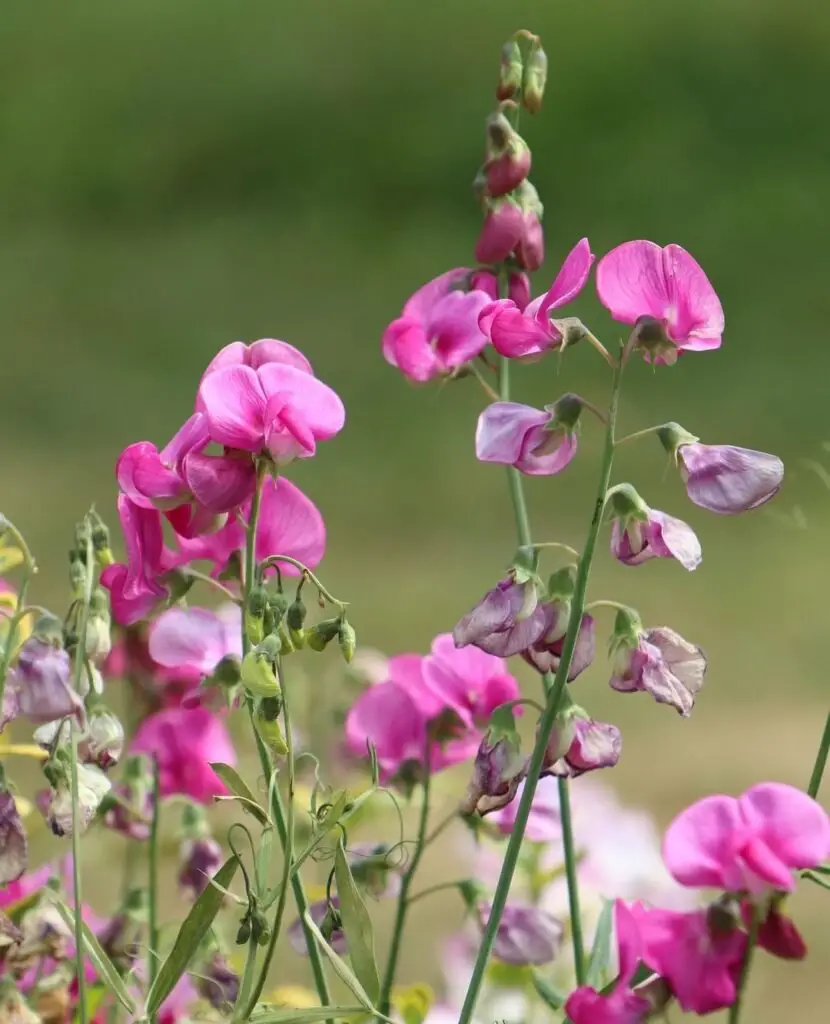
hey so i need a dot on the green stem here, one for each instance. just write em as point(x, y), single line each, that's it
point(29, 569)
point(548, 720)
point(274, 560)
point(384, 1003)
point(821, 760)
point(153, 879)
point(441, 887)
point(638, 434)
point(80, 659)
point(570, 874)
point(751, 941)
point(615, 605)
point(514, 478)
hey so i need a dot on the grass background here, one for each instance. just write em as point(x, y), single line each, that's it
point(178, 175)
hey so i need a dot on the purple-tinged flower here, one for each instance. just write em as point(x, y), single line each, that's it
point(327, 918)
point(195, 640)
point(42, 684)
point(546, 653)
point(93, 786)
point(729, 480)
point(531, 440)
point(438, 330)
point(526, 936)
point(593, 745)
point(639, 533)
point(506, 620)
point(218, 982)
point(199, 860)
point(656, 661)
point(498, 769)
point(14, 845)
point(10, 709)
point(524, 329)
point(642, 280)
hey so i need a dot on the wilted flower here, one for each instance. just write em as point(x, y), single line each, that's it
point(729, 480)
point(93, 786)
point(42, 684)
point(531, 440)
point(325, 915)
point(506, 620)
point(545, 654)
point(200, 858)
point(498, 769)
point(14, 846)
point(526, 936)
point(98, 639)
point(218, 982)
point(592, 745)
point(639, 533)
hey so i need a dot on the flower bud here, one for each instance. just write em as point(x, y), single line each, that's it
point(510, 72)
point(49, 629)
point(530, 251)
point(518, 289)
point(347, 639)
point(14, 846)
point(199, 860)
point(98, 639)
point(526, 936)
point(103, 741)
point(325, 914)
point(535, 78)
point(268, 726)
point(93, 786)
point(499, 766)
point(777, 933)
point(485, 281)
point(295, 614)
point(255, 608)
point(258, 674)
point(100, 540)
point(77, 575)
point(319, 636)
point(508, 169)
point(501, 232)
point(373, 869)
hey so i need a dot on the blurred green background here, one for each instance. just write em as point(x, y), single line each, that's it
point(175, 176)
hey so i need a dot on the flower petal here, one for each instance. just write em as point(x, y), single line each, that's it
point(518, 335)
point(501, 430)
point(219, 482)
point(699, 845)
point(192, 639)
point(570, 280)
point(309, 398)
point(696, 320)
point(145, 480)
point(631, 282)
point(793, 825)
point(289, 524)
point(234, 402)
point(405, 346)
point(270, 350)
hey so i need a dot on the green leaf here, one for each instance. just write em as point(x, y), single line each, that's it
point(819, 878)
point(341, 968)
point(239, 787)
point(312, 1015)
point(194, 928)
point(601, 951)
point(547, 993)
point(263, 859)
point(357, 924)
point(99, 959)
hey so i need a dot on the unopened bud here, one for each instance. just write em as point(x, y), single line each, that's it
point(321, 635)
point(347, 639)
point(258, 675)
point(49, 629)
point(518, 288)
point(100, 540)
point(228, 672)
point(295, 614)
point(270, 732)
point(500, 133)
point(501, 232)
point(103, 742)
point(98, 638)
point(511, 71)
point(77, 575)
point(255, 608)
point(535, 78)
point(509, 169)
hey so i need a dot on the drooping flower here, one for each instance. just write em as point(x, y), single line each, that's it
point(639, 533)
point(545, 654)
point(621, 1005)
point(729, 480)
point(468, 682)
point(218, 983)
point(512, 434)
point(593, 745)
point(752, 843)
point(505, 621)
point(326, 916)
point(522, 331)
point(93, 786)
point(42, 684)
point(642, 280)
point(14, 845)
point(526, 936)
point(498, 769)
point(184, 742)
point(438, 330)
point(200, 858)
point(777, 933)
point(135, 587)
point(277, 410)
point(656, 661)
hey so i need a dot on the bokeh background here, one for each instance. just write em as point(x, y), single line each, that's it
point(175, 176)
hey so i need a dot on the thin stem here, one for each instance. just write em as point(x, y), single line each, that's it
point(432, 889)
point(80, 659)
point(153, 881)
point(638, 434)
point(211, 582)
point(489, 391)
point(384, 1003)
point(594, 342)
point(751, 942)
point(821, 760)
point(557, 545)
point(547, 721)
point(273, 560)
point(570, 873)
point(250, 544)
point(615, 605)
point(29, 569)
point(514, 479)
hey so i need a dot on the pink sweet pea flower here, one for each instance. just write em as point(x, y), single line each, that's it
point(641, 279)
point(438, 330)
point(277, 410)
point(545, 654)
point(660, 536)
point(729, 480)
point(752, 843)
point(258, 353)
point(28, 885)
point(467, 681)
point(185, 742)
point(527, 331)
point(135, 588)
point(195, 640)
point(621, 1005)
point(700, 962)
point(511, 434)
point(289, 524)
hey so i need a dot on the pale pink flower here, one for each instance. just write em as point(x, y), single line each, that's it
point(526, 330)
point(512, 434)
point(526, 936)
point(729, 480)
point(700, 963)
point(505, 621)
point(194, 640)
point(42, 684)
point(544, 824)
point(469, 682)
point(277, 410)
point(621, 1005)
point(660, 662)
point(751, 843)
point(184, 742)
point(437, 331)
point(289, 524)
point(660, 536)
point(594, 745)
point(641, 279)
point(135, 587)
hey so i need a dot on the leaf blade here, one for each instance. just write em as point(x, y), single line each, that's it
point(601, 950)
point(312, 1015)
point(240, 788)
point(357, 925)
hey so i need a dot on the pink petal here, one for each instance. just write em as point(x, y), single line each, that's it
point(501, 430)
point(386, 716)
point(269, 350)
point(407, 671)
point(219, 482)
point(193, 435)
point(289, 524)
point(766, 868)
point(679, 539)
point(234, 402)
point(420, 305)
point(570, 280)
point(287, 435)
point(696, 320)
point(234, 354)
point(793, 825)
point(543, 453)
point(699, 845)
point(631, 282)
point(192, 639)
point(405, 346)
point(629, 943)
point(518, 335)
point(145, 480)
point(309, 398)
point(490, 312)
point(454, 327)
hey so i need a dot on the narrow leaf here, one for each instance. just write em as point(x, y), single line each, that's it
point(357, 924)
point(263, 859)
point(819, 879)
point(239, 787)
point(547, 993)
point(194, 928)
point(312, 1015)
point(99, 959)
point(601, 951)
point(341, 968)
point(95, 995)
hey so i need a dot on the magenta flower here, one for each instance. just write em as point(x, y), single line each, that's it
point(42, 684)
point(511, 434)
point(15, 892)
point(634, 541)
point(641, 279)
point(729, 480)
point(621, 1005)
point(184, 742)
point(699, 962)
point(751, 843)
point(194, 640)
point(468, 682)
point(438, 330)
point(594, 745)
point(502, 230)
point(777, 933)
point(257, 354)
point(505, 621)
point(136, 588)
point(277, 410)
point(526, 331)
point(660, 662)
point(527, 936)
point(545, 654)
point(289, 524)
